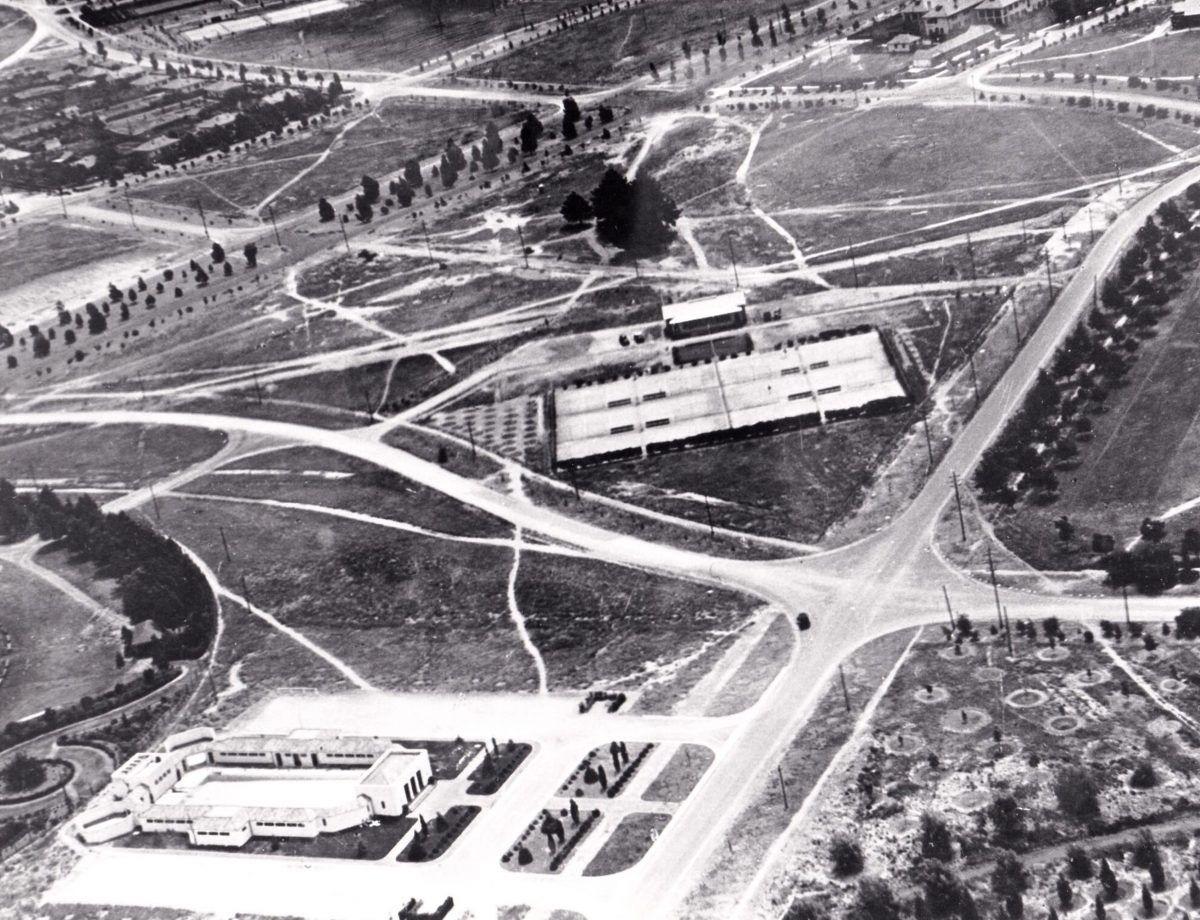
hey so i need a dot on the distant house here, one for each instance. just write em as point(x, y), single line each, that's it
point(1002, 12)
point(948, 17)
point(1186, 15)
point(903, 43)
point(156, 148)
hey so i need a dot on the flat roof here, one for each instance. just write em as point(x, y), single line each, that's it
point(1187, 8)
point(396, 766)
point(814, 378)
point(300, 743)
point(705, 308)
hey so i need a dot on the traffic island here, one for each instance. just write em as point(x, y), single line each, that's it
point(433, 838)
point(548, 841)
point(626, 846)
point(605, 771)
point(498, 764)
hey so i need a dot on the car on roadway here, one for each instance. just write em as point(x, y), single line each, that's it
point(802, 621)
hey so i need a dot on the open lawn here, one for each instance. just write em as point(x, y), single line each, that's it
point(1126, 29)
point(126, 454)
point(382, 35)
point(968, 159)
point(1139, 459)
point(751, 680)
point(627, 844)
point(596, 623)
point(450, 298)
point(618, 45)
point(52, 651)
point(407, 612)
point(1003, 748)
point(15, 29)
point(679, 777)
point(848, 69)
point(1171, 55)
point(304, 476)
point(375, 388)
point(793, 485)
point(697, 156)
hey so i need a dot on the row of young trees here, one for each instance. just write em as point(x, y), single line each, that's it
point(484, 156)
point(1044, 436)
point(157, 581)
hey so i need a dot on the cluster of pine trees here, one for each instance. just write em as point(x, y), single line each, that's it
point(157, 581)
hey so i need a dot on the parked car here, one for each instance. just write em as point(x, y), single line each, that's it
point(802, 621)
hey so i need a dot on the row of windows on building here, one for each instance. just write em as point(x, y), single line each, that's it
point(660, 422)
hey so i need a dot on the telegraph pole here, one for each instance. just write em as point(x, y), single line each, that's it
point(225, 543)
point(1125, 598)
point(524, 251)
point(1008, 634)
point(845, 691)
point(974, 377)
point(949, 609)
point(971, 255)
point(733, 261)
point(712, 532)
point(928, 439)
point(62, 201)
point(1049, 277)
point(246, 595)
point(154, 501)
point(1016, 319)
point(471, 436)
point(995, 587)
point(129, 204)
point(428, 247)
point(853, 264)
point(962, 521)
point(274, 226)
point(203, 219)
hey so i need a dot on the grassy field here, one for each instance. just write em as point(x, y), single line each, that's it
point(1126, 30)
point(965, 158)
point(627, 844)
point(1005, 257)
point(679, 777)
point(619, 45)
point(295, 475)
point(378, 144)
point(955, 734)
point(407, 612)
point(381, 35)
point(695, 158)
point(1140, 459)
point(756, 673)
point(15, 29)
point(849, 69)
point(595, 622)
point(127, 454)
point(59, 653)
point(380, 386)
point(29, 250)
point(792, 485)
point(449, 299)
point(1169, 55)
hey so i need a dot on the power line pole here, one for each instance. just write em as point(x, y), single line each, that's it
point(1049, 277)
point(62, 201)
point(733, 261)
point(712, 532)
point(928, 439)
point(974, 377)
point(949, 609)
point(962, 521)
point(853, 264)
point(225, 543)
point(524, 251)
point(1008, 634)
point(129, 204)
point(845, 689)
point(203, 219)
point(1016, 319)
point(995, 587)
point(428, 246)
point(471, 436)
point(154, 501)
point(345, 239)
point(971, 255)
point(1125, 598)
point(274, 226)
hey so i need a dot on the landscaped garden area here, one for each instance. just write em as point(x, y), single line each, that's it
point(550, 838)
point(434, 838)
point(606, 771)
point(628, 843)
point(498, 764)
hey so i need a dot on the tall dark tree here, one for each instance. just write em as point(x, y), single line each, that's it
point(325, 211)
point(370, 189)
point(218, 253)
point(639, 216)
point(412, 173)
point(531, 132)
point(576, 209)
point(571, 110)
point(250, 251)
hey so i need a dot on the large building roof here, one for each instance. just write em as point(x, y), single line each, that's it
point(300, 743)
point(815, 378)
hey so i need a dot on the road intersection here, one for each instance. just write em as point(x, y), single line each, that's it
point(877, 585)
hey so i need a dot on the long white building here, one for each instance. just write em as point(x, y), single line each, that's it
point(223, 791)
point(811, 383)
